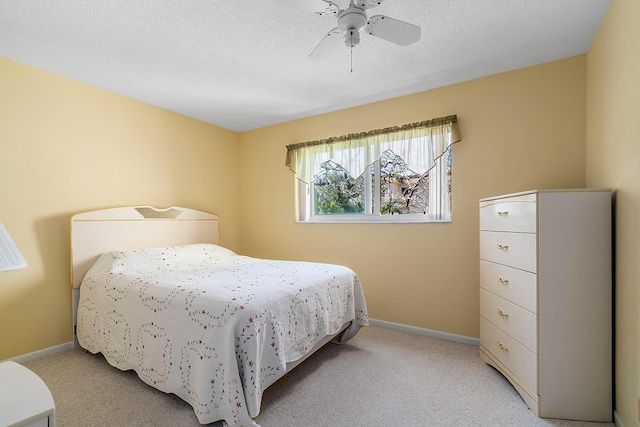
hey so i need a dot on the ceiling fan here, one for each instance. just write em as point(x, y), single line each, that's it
point(351, 21)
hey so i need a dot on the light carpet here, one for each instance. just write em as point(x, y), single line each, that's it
point(382, 377)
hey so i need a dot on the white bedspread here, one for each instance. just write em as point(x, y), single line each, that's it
point(213, 327)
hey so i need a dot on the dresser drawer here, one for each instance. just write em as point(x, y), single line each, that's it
point(519, 323)
point(509, 214)
point(517, 250)
point(516, 357)
point(517, 286)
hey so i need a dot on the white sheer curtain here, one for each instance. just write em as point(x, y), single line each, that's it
point(420, 145)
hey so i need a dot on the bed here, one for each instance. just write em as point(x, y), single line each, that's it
point(154, 292)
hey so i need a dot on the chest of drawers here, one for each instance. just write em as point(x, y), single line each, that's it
point(546, 299)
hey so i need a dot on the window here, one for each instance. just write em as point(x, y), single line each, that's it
point(389, 175)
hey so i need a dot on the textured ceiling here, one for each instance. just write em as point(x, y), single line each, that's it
point(244, 64)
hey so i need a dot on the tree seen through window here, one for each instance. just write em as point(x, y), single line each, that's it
point(401, 190)
point(336, 192)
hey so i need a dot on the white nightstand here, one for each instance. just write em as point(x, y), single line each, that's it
point(25, 399)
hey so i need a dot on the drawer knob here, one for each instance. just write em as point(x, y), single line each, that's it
point(503, 247)
point(502, 346)
point(501, 313)
point(502, 213)
point(503, 281)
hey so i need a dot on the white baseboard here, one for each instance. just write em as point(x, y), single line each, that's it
point(616, 420)
point(426, 332)
point(41, 353)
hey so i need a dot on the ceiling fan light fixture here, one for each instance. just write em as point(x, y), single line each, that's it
point(352, 38)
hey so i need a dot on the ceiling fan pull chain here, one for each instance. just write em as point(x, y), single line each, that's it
point(352, 51)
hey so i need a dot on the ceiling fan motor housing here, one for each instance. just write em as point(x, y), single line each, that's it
point(351, 21)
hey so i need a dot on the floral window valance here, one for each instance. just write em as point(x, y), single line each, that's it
point(419, 144)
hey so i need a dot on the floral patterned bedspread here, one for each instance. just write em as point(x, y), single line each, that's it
point(210, 326)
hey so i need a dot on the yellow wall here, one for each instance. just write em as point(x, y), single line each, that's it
point(520, 130)
point(66, 147)
point(613, 160)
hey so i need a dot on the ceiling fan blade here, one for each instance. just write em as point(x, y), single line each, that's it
point(328, 44)
point(319, 7)
point(398, 32)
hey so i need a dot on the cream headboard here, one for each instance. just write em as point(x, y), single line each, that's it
point(135, 227)
point(119, 229)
